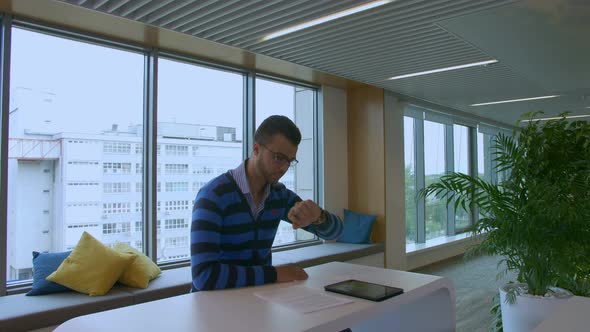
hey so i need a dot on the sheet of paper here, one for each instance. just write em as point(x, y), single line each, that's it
point(302, 299)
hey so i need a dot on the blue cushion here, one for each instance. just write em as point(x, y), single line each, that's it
point(357, 227)
point(45, 264)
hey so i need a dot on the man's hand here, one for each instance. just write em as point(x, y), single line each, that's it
point(304, 213)
point(290, 273)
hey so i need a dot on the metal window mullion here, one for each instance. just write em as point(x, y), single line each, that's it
point(450, 167)
point(5, 41)
point(420, 179)
point(488, 153)
point(318, 150)
point(473, 168)
point(249, 116)
point(319, 146)
point(492, 163)
point(150, 143)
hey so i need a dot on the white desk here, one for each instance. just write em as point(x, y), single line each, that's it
point(572, 316)
point(428, 304)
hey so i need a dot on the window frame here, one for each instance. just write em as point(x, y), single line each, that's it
point(149, 148)
point(318, 189)
point(419, 114)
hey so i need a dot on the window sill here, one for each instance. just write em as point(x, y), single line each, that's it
point(296, 245)
point(437, 243)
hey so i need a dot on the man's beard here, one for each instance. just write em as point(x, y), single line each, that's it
point(268, 176)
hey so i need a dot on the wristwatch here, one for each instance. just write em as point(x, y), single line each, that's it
point(321, 219)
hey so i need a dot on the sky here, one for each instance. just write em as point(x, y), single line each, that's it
point(94, 87)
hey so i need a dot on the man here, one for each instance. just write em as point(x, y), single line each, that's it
point(236, 215)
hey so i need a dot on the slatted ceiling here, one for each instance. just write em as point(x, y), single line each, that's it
point(266, 20)
point(156, 17)
point(99, 3)
point(309, 10)
point(401, 37)
point(220, 8)
point(114, 6)
point(186, 14)
point(150, 7)
point(127, 9)
point(405, 59)
point(205, 18)
point(231, 12)
point(370, 25)
point(368, 49)
point(372, 51)
point(182, 15)
point(400, 64)
point(385, 72)
point(225, 18)
point(360, 25)
point(366, 21)
point(229, 32)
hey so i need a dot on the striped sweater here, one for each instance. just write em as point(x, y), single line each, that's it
point(228, 247)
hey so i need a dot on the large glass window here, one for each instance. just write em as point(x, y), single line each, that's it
point(76, 143)
point(298, 104)
point(75, 112)
point(434, 145)
point(434, 167)
point(200, 127)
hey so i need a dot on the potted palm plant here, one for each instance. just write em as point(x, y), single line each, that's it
point(537, 218)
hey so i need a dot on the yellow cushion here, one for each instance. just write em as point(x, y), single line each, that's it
point(91, 268)
point(141, 271)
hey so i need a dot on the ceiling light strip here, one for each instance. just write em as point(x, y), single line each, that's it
point(467, 65)
point(559, 117)
point(514, 100)
point(325, 19)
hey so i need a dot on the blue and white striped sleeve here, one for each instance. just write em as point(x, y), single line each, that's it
point(207, 271)
point(329, 230)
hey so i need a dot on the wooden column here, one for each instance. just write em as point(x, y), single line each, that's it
point(366, 155)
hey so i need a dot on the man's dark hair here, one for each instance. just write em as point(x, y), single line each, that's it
point(277, 124)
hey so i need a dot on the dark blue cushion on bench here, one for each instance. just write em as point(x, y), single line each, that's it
point(357, 227)
point(45, 264)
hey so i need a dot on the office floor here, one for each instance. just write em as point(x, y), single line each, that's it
point(475, 286)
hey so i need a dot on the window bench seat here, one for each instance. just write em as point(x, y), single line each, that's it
point(325, 253)
point(24, 313)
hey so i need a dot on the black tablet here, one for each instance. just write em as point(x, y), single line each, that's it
point(364, 290)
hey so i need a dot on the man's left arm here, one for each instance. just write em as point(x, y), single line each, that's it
point(309, 216)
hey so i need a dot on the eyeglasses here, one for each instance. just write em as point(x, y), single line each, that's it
point(280, 158)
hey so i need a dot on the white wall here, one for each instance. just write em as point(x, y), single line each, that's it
point(335, 150)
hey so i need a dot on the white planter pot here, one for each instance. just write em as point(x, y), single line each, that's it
point(529, 310)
